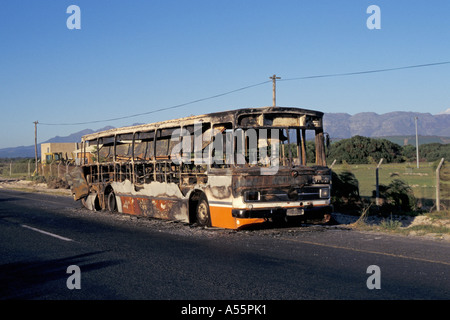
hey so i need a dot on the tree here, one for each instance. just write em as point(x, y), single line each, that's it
point(363, 150)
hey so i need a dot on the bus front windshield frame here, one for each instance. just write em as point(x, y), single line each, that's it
point(267, 146)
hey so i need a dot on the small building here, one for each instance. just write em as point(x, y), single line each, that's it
point(57, 151)
point(85, 157)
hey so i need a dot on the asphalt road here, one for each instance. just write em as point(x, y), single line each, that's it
point(123, 257)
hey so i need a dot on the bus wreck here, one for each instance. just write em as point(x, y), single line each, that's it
point(226, 169)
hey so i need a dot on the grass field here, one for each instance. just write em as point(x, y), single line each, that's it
point(422, 180)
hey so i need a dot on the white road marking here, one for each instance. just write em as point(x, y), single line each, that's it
point(45, 232)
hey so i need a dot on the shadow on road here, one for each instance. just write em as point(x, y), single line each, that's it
point(28, 279)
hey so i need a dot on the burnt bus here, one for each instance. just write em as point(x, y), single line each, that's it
point(227, 169)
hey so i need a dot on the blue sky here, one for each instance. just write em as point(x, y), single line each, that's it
point(132, 57)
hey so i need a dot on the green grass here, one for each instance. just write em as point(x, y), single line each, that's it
point(439, 215)
point(390, 224)
point(422, 180)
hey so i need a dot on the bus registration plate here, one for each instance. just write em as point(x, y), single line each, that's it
point(295, 212)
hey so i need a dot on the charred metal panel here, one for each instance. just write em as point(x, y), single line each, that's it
point(159, 200)
point(281, 120)
point(168, 209)
point(77, 183)
point(311, 118)
point(294, 184)
point(284, 178)
point(220, 187)
point(250, 120)
point(90, 202)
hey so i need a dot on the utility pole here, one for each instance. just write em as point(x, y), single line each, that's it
point(274, 79)
point(35, 147)
point(417, 145)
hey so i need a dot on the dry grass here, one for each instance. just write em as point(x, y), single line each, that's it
point(434, 224)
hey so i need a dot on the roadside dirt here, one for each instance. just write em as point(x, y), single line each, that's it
point(406, 225)
point(31, 186)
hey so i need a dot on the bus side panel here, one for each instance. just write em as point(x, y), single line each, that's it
point(153, 207)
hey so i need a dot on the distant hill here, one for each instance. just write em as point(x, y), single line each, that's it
point(398, 127)
point(74, 137)
point(28, 151)
point(370, 124)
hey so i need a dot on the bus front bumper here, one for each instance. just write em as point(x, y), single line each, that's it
point(281, 212)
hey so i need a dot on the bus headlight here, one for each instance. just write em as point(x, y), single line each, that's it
point(324, 193)
point(252, 195)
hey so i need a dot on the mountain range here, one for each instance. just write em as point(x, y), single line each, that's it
point(399, 123)
point(28, 151)
point(398, 126)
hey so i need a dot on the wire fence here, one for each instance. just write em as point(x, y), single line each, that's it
point(17, 168)
point(26, 169)
point(54, 174)
point(444, 176)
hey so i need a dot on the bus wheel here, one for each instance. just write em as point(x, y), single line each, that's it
point(202, 214)
point(112, 206)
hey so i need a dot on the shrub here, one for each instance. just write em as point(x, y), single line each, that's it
point(38, 179)
point(345, 192)
point(398, 196)
point(390, 224)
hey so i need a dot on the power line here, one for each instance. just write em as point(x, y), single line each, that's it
point(366, 72)
point(248, 87)
point(157, 110)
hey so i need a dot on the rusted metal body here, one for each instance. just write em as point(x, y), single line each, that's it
point(137, 170)
point(78, 184)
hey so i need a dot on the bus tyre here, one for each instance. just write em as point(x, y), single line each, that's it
point(202, 213)
point(111, 202)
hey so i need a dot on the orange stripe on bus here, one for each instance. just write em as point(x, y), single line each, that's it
point(221, 217)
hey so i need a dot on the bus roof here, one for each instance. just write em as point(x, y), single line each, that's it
point(216, 117)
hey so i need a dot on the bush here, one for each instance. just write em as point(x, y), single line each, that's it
point(345, 192)
point(363, 150)
point(390, 224)
point(434, 151)
point(398, 198)
point(38, 179)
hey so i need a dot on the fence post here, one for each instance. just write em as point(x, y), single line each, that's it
point(438, 181)
point(331, 166)
point(10, 168)
point(377, 199)
point(29, 163)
